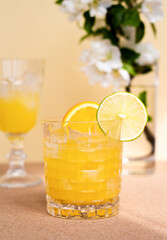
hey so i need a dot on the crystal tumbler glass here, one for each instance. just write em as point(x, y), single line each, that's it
point(82, 169)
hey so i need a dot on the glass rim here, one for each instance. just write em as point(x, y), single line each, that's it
point(53, 121)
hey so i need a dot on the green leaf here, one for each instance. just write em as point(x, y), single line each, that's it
point(129, 68)
point(140, 31)
point(84, 37)
point(131, 18)
point(143, 97)
point(149, 119)
point(142, 69)
point(107, 34)
point(154, 29)
point(129, 55)
point(59, 2)
point(89, 22)
point(115, 15)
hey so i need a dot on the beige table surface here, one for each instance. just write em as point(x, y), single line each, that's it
point(143, 212)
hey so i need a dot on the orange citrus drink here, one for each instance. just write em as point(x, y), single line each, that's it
point(18, 111)
point(83, 171)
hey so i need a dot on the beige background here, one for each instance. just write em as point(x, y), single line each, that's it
point(38, 29)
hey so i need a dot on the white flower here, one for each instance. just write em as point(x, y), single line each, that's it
point(149, 55)
point(120, 77)
point(116, 77)
point(94, 74)
point(104, 65)
point(104, 55)
point(75, 8)
point(152, 10)
point(99, 8)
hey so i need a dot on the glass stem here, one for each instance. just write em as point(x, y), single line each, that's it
point(16, 155)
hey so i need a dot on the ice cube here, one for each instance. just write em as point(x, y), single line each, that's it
point(54, 134)
point(75, 135)
point(59, 136)
point(51, 149)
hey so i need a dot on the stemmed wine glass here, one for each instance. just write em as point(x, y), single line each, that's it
point(20, 85)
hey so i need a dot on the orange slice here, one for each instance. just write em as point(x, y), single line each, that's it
point(81, 112)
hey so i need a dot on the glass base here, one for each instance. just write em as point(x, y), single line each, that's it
point(145, 165)
point(69, 211)
point(18, 180)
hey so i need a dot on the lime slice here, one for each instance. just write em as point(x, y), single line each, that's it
point(129, 109)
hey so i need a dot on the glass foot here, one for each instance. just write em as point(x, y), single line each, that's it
point(138, 166)
point(18, 180)
point(69, 211)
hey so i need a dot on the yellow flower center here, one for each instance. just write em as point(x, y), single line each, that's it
point(95, 3)
point(109, 56)
point(149, 8)
point(116, 74)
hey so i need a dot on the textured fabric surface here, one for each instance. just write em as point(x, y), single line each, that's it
point(143, 212)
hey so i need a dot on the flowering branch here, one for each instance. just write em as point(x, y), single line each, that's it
point(117, 54)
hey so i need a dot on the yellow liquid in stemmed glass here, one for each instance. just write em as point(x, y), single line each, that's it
point(18, 112)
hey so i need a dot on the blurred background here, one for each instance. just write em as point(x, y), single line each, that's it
point(38, 29)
